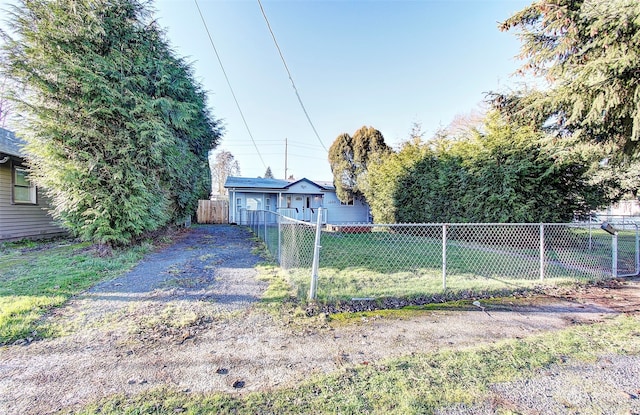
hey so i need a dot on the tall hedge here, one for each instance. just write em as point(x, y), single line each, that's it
point(117, 130)
point(504, 173)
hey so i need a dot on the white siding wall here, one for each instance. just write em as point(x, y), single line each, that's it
point(624, 207)
point(249, 200)
point(338, 213)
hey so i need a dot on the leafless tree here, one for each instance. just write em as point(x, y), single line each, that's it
point(223, 164)
point(464, 124)
point(5, 104)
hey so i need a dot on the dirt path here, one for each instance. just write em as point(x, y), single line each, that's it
point(186, 318)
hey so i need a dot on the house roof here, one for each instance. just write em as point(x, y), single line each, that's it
point(10, 145)
point(277, 184)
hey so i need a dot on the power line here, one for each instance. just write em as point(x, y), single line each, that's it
point(229, 83)
point(291, 78)
point(264, 144)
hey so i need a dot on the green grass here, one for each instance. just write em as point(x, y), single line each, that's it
point(416, 311)
point(410, 385)
point(279, 290)
point(386, 264)
point(35, 277)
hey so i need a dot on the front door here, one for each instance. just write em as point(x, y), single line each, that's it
point(297, 206)
point(306, 206)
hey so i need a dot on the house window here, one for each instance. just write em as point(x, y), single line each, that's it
point(347, 203)
point(289, 202)
point(254, 203)
point(24, 191)
point(267, 203)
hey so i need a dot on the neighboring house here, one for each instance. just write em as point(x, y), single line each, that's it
point(298, 199)
point(23, 207)
point(622, 208)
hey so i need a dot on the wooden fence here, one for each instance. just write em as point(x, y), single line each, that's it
point(213, 211)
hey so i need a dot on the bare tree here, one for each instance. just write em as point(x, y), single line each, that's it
point(464, 124)
point(416, 134)
point(223, 164)
point(5, 104)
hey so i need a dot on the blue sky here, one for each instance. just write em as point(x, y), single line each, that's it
point(384, 64)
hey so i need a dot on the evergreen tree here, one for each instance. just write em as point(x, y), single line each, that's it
point(350, 157)
point(268, 174)
point(516, 174)
point(589, 52)
point(387, 176)
point(117, 130)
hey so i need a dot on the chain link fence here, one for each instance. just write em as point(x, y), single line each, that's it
point(288, 240)
point(404, 260)
point(618, 219)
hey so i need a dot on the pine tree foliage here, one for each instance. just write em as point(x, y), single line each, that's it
point(268, 174)
point(117, 130)
point(349, 158)
point(589, 51)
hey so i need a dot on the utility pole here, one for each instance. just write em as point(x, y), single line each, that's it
point(285, 158)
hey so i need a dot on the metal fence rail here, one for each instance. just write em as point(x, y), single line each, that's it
point(377, 260)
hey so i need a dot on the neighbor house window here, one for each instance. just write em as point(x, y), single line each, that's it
point(24, 191)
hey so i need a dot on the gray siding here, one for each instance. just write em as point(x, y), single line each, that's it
point(22, 221)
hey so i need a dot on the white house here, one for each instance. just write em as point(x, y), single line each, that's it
point(298, 199)
point(622, 208)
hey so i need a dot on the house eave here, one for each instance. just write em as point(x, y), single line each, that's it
point(255, 190)
point(5, 157)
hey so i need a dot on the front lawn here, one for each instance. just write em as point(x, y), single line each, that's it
point(37, 276)
point(382, 263)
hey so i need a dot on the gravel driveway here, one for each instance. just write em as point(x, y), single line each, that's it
point(186, 318)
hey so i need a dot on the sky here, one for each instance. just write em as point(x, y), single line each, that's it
point(385, 64)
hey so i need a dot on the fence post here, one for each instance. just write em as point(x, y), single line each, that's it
point(637, 251)
point(279, 221)
point(444, 256)
point(614, 255)
point(590, 235)
point(316, 259)
point(541, 251)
